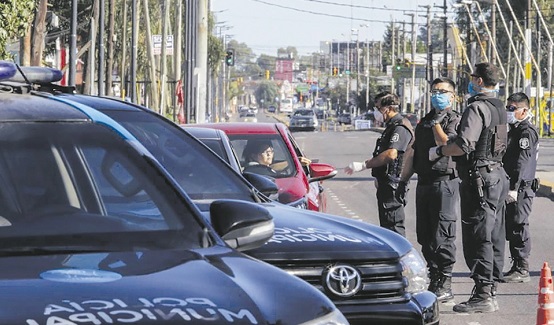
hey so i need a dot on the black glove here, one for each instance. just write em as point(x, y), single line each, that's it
point(437, 119)
point(401, 192)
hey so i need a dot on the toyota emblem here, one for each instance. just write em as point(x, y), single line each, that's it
point(343, 280)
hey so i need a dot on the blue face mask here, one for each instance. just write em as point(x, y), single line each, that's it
point(472, 89)
point(440, 101)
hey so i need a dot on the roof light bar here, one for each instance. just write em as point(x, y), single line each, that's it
point(7, 69)
point(38, 75)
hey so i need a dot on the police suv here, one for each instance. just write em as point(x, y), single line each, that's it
point(94, 231)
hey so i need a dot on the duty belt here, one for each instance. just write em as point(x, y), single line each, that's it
point(489, 168)
point(430, 180)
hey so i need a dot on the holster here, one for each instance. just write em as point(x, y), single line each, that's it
point(535, 184)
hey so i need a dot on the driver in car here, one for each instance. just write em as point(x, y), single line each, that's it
point(258, 155)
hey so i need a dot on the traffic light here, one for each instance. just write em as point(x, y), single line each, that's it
point(398, 65)
point(230, 57)
point(335, 71)
point(267, 74)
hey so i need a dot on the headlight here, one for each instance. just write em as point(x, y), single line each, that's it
point(414, 269)
point(333, 318)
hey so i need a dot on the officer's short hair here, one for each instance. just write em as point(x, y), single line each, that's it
point(488, 72)
point(381, 95)
point(442, 80)
point(519, 98)
point(392, 101)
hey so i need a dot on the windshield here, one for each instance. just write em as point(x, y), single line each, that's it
point(304, 113)
point(264, 154)
point(76, 184)
point(198, 171)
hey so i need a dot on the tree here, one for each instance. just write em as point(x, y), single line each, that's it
point(266, 91)
point(15, 18)
point(266, 62)
point(290, 51)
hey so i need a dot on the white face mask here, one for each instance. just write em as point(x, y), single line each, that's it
point(511, 117)
point(378, 116)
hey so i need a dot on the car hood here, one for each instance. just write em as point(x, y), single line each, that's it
point(308, 235)
point(152, 287)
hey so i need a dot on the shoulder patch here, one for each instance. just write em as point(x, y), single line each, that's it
point(524, 143)
point(395, 137)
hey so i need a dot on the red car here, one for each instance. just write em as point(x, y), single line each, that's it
point(299, 185)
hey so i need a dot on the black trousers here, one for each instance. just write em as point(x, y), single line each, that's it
point(517, 223)
point(437, 211)
point(483, 228)
point(391, 210)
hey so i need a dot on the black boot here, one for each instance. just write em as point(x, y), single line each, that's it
point(443, 287)
point(519, 272)
point(493, 295)
point(433, 280)
point(479, 302)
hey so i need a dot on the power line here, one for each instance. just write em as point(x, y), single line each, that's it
point(360, 6)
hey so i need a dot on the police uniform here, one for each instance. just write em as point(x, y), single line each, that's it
point(437, 203)
point(520, 163)
point(398, 134)
point(482, 135)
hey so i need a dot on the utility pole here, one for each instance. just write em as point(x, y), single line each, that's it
point(445, 41)
point(414, 44)
point(392, 57)
point(202, 60)
point(429, 65)
point(134, 38)
point(101, 62)
point(73, 45)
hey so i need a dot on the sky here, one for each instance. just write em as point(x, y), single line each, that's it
point(266, 25)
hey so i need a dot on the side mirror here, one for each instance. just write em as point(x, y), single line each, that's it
point(264, 184)
point(320, 172)
point(243, 225)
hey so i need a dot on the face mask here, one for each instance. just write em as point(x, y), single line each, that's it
point(472, 89)
point(440, 101)
point(511, 117)
point(378, 116)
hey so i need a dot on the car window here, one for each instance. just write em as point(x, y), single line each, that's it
point(304, 113)
point(80, 182)
point(282, 164)
point(198, 171)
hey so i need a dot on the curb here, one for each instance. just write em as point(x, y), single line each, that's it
point(546, 189)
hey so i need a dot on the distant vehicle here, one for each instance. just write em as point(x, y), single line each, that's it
point(254, 109)
point(321, 113)
point(286, 105)
point(303, 119)
point(271, 109)
point(344, 118)
point(250, 116)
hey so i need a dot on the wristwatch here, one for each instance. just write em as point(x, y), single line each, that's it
point(439, 151)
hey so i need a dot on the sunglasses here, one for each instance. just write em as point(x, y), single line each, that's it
point(439, 91)
point(512, 108)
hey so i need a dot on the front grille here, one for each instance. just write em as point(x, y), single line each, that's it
point(382, 281)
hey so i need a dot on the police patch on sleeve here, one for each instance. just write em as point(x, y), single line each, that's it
point(395, 137)
point(524, 143)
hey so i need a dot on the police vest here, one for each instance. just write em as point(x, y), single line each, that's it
point(392, 170)
point(425, 140)
point(493, 140)
point(517, 143)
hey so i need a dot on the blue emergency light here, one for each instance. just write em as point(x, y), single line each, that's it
point(7, 70)
point(38, 75)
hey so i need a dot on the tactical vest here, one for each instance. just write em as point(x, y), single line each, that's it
point(392, 170)
point(515, 144)
point(493, 140)
point(425, 140)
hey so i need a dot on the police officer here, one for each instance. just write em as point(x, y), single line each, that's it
point(389, 156)
point(479, 148)
point(520, 163)
point(437, 192)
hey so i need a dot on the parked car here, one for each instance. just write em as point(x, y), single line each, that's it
point(303, 119)
point(344, 118)
point(94, 230)
point(321, 113)
point(271, 109)
point(293, 179)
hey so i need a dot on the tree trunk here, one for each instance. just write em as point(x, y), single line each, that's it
point(39, 32)
point(25, 48)
point(150, 52)
point(87, 89)
point(122, 73)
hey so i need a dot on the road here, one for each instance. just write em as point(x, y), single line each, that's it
point(354, 196)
